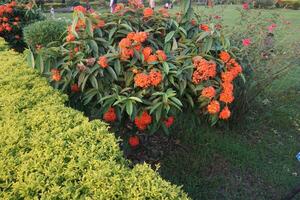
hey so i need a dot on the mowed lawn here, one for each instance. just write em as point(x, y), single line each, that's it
point(254, 160)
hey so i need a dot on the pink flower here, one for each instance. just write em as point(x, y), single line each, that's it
point(272, 27)
point(246, 42)
point(245, 6)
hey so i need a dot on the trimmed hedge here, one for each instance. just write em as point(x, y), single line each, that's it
point(49, 151)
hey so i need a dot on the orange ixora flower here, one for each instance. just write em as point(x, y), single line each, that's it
point(147, 52)
point(56, 75)
point(143, 121)
point(142, 80)
point(148, 12)
point(126, 53)
point(119, 7)
point(151, 59)
point(136, 3)
point(70, 38)
point(110, 115)
point(155, 77)
point(140, 37)
point(224, 56)
point(204, 27)
point(226, 95)
point(208, 92)
point(225, 113)
point(125, 43)
point(103, 62)
point(213, 107)
point(204, 69)
point(161, 55)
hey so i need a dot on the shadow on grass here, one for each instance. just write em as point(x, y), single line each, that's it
point(254, 161)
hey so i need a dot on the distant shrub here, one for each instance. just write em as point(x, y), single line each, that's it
point(264, 3)
point(42, 33)
point(48, 151)
point(293, 4)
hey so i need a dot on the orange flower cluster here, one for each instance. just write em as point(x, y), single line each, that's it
point(148, 12)
point(119, 7)
point(144, 80)
point(102, 61)
point(204, 69)
point(233, 69)
point(209, 92)
point(56, 75)
point(143, 121)
point(110, 115)
point(131, 42)
point(150, 58)
point(213, 107)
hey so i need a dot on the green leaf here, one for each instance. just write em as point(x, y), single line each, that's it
point(117, 66)
point(94, 47)
point(202, 36)
point(126, 26)
point(169, 36)
point(129, 107)
point(112, 73)
point(174, 46)
point(177, 101)
point(136, 99)
point(166, 67)
point(93, 81)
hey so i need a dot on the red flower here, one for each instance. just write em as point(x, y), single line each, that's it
point(110, 115)
point(193, 22)
point(17, 37)
point(134, 141)
point(204, 27)
point(143, 121)
point(246, 42)
point(8, 28)
point(168, 122)
point(79, 9)
point(245, 6)
point(75, 88)
point(5, 19)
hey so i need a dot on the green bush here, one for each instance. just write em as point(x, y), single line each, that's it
point(264, 3)
point(293, 4)
point(48, 151)
point(45, 32)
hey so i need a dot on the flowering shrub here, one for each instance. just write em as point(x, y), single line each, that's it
point(13, 18)
point(141, 67)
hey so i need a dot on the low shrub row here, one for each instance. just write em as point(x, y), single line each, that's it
point(49, 151)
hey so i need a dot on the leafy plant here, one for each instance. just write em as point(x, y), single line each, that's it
point(142, 66)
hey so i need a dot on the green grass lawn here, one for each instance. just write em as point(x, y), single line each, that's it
point(255, 160)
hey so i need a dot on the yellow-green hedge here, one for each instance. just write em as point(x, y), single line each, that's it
point(49, 151)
